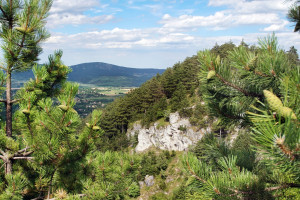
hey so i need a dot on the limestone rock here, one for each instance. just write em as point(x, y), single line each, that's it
point(168, 137)
point(149, 180)
point(141, 184)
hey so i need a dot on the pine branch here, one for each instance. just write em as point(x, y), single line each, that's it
point(261, 74)
point(287, 185)
point(193, 173)
point(3, 68)
point(238, 88)
point(50, 185)
point(4, 13)
point(29, 126)
point(24, 34)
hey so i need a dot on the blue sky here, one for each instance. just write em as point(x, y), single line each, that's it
point(159, 33)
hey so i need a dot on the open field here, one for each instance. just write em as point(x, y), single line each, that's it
point(90, 97)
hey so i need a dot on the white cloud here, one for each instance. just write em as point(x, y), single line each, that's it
point(218, 21)
point(74, 6)
point(146, 47)
point(281, 26)
point(234, 14)
point(253, 6)
point(69, 18)
point(72, 12)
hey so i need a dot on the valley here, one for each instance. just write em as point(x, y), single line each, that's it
point(90, 97)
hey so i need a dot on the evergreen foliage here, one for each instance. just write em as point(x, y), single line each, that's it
point(22, 31)
point(257, 90)
point(240, 79)
point(47, 143)
point(294, 15)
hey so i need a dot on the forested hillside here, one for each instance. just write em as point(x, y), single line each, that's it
point(97, 74)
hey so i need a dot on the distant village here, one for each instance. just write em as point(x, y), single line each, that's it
point(89, 99)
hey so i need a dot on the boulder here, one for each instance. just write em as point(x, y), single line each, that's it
point(177, 135)
point(149, 180)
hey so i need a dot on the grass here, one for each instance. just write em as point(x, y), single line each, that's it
point(164, 188)
point(162, 123)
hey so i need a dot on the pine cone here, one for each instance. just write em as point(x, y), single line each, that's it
point(287, 112)
point(23, 30)
point(211, 74)
point(63, 107)
point(26, 111)
point(96, 128)
point(273, 101)
point(218, 60)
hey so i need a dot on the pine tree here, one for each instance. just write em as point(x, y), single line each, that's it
point(179, 98)
point(260, 91)
point(293, 55)
point(294, 15)
point(230, 86)
point(47, 144)
point(22, 31)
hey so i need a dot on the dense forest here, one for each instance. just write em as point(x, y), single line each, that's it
point(48, 152)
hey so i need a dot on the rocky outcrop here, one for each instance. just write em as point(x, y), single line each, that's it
point(177, 135)
point(149, 180)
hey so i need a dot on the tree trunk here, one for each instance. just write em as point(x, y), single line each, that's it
point(8, 106)
point(8, 167)
point(8, 163)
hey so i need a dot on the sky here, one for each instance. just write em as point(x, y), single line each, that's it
point(160, 33)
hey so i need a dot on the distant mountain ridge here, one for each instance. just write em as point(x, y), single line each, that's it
point(102, 74)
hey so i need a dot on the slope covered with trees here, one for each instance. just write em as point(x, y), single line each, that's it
point(100, 74)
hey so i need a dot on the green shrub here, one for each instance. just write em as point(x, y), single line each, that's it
point(167, 154)
point(242, 149)
point(134, 190)
point(162, 184)
point(179, 193)
point(186, 112)
point(173, 154)
point(182, 128)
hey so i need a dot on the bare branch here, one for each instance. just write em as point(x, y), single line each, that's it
point(14, 101)
point(23, 153)
point(22, 158)
point(293, 185)
point(2, 152)
point(23, 150)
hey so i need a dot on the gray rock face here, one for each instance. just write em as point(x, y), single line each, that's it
point(168, 137)
point(149, 180)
